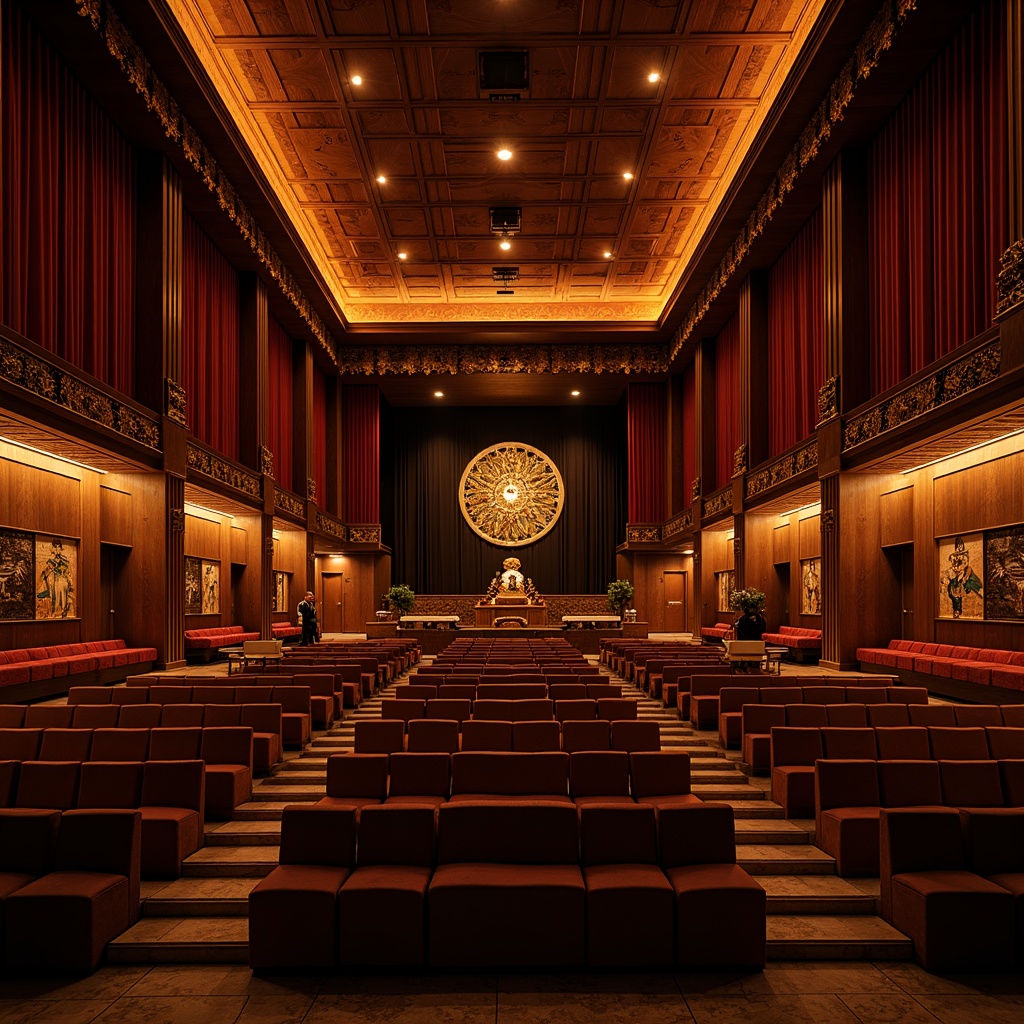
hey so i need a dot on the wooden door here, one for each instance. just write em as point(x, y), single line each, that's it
point(330, 602)
point(907, 591)
point(675, 601)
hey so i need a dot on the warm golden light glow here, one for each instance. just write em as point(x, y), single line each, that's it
point(356, 79)
point(505, 244)
point(403, 255)
point(628, 175)
point(653, 77)
point(381, 179)
point(504, 154)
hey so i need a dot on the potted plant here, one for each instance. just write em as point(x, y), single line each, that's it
point(401, 598)
point(620, 593)
point(748, 600)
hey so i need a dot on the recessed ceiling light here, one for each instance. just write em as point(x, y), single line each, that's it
point(381, 179)
point(439, 394)
point(505, 244)
point(628, 175)
point(654, 77)
point(504, 154)
point(356, 79)
point(607, 255)
point(575, 394)
point(403, 255)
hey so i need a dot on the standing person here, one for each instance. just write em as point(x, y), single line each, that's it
point(750, 625)
point(307, 613)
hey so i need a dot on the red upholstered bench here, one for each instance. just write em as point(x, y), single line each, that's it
point(203, 644)
point(715, 633)
point(979, 666)
point(284, 631)
point(804, 644)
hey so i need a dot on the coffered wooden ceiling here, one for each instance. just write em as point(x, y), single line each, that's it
point(286, 72)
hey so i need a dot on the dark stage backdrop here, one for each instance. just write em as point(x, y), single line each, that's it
point(423, 455)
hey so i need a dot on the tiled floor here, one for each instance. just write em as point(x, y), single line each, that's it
point(785, 993)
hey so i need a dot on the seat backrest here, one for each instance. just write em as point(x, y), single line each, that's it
point(888, 715)
point(358, 775)
point(95, 716)
point(978, 714)
point(414, 691)
point(129, 695)
point(759, 718)
point(419, 774)
point(732, 698)
point(993, 841)
point(594, 734)
point(659, 773)
point(433, 735)
point(451, 709)
point(847, 716)
point(80, 695)
point(222, 714)
point(49, 784)
point(261, 717)
point(175, 743)
point(848, 743)
point(696, 834)
point(518, 833)
point(110, 784)
point(1013, 715)
point(971, 783)
point(958, 744)
point(579, 709)
point(845, 783)
point(599, 691)
point(615, 709)
point(174, 784)
point(598, 773)
point(227, 745)
point(486, 735)
point(104, 841)
point(795, 746)
point(902, 742)
point(48, 716)
point(396, 834)
point(311, 834)
point(618, 834)
point(457, 691)
point(532, 736)
point(909, 783)
point(511, 774)
point(119, 745)
point(867, 695)
point(559, 691)
point(28, 840)
point(163, 694)
point(630, 735)
point(65, 745)
point(807, 716)
point(182, 716)
point(379, 736)
point(1005, 742)
point(932, 714)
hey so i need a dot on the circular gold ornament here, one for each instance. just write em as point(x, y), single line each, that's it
point(511, 494)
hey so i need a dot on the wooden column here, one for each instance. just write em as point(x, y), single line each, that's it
point(704, 440)
point(831, 596)
point(173, 618)
point(254, 371)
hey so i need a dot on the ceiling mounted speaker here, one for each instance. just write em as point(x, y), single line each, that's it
point(505, 220)
point(504, 74)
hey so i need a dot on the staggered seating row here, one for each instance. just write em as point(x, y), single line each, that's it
point(759, 720)
point(471, 689)
point(954, 883)
point(525, 710)
point(42, 671)
point(661, 778)
point(732, 699)
point(504, 673)
point(795, 750)
point(226, 752)
point(295, 702)
point(513, 885)
point(983, 666)
point(849, 795)
point(449, 735)
point(203, 644)
point(169, 795)
point(69, 884)
point(803, 643)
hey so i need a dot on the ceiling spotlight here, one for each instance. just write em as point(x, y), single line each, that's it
point(403, 255)
point(504, 154)
point(505, 244)
point(356, 79)
point(607, 255)
point(654, 77)
point(628, 175)
point(439, 394)
point(575, 394)
point(381, 179)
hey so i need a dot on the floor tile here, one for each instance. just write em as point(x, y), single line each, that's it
point(174, 1010)
point(769, 1009)
point(423, 1008)
point(975, 1008)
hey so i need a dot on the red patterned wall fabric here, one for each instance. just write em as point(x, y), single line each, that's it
point(319, 473)
point(689, 440)
point(281, 426)
point(645, 427)
point(360, 453)
point(727, 402)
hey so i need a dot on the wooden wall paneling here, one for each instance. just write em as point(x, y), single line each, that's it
point(115, 516)
point(781, 543)
point(290, 557)
point(92, 617)
point(381, 581)
point(809, 533)
point(40, 494)
point(896, 516)
point(716, 556)
point(980, 497)
point(246, 573)
point(241, 527)
point(360, 598)
point(203, 536)
point(760, 558)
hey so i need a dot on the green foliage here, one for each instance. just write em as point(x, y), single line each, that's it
point(620, 593)
point(401, 598)
point(747, 600)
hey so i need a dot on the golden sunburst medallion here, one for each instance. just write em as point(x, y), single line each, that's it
point(511, 494)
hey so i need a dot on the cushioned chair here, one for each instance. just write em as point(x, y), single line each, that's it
point(379, 737)
point(661, 778)
point(433, 735)
point(793, 753)
point(635, 735)
point(174, 743)
point(848, 744)
point(227, 754)
point(95, 716)
point(486, 735)
point(28, 842)
point(909, 783)
point(902, 742)
point(535, 736)
point(585, 735)
point(599, 776)
point(60, 744)
point(49, 784)
point(354, 780)
point(110, 784)
point(958, 743)
point(757, 722)
point(419, 778)
point(318, 846)
point(172, 808)
point(970, 784)
point(119, 745)
point(847, 806)
point(510, 777)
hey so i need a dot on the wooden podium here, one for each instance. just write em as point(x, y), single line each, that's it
point(485, 613)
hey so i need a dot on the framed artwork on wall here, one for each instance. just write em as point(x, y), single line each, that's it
point(961, 588)
point(17, 575)
point(56, 576)
point(193, 586)
point(279, 595)
point(211, 587)
point(1004, 573)
point(726, 585)
point(810, 586)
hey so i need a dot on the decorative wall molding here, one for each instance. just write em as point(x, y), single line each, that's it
point(289, 504)
point(828, 400)
point(876, 40)
point(828, 520)
point(310, 489)
point(643, 533)
point(175, 402)
point(266, 461)
point(718, 502)
point(364, 533)
point(397, 360)
point(695, 488)
point(216, 467)
point(44, 379)
point(177, 516)
point(952, 381)
point(782, 469)
point(329, 525)
point(1010, 279)
point(678, 524)
point(158, 98)
point(739, 460)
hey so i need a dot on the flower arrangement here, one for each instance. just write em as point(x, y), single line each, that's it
point(620, 593)
point(401, 598)
point(747, 600)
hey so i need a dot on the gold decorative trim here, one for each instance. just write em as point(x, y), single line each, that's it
point(364, 533)
point(175, 402)
point(45, 380)
point(952, 381)
point(720, 501)
point(449, 360)
point(876, 40)
point(330, 525)
point(678, 524)
point(310, 489)
point(266, 461)
point(177, 520)
point(782, 469)
point(646, 533)
point(695, 488)
point(216, 467)
point(739, 460)
point(1010, 279)
point(511, 494)
point(828, 520)
point(828, 400)
point(157, 96)
point(289, 504)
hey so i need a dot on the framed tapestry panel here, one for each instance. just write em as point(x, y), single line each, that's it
point(17, 576)
point(961, 588)
point(1004, 573)
point(810, 586)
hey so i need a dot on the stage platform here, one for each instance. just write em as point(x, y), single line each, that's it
point(586, 641)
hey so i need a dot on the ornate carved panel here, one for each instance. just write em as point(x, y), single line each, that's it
point(718, 502)
point(782, 469)
point(289, 504)
point(216, 467)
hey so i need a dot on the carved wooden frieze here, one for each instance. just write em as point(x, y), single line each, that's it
point(952, 381)
point(310, 489)
point(266, 461)
point(695, 488)
point(46, 380)
point(828, 400)
point(364, 533)
point(289, 504)
point(1010, 280)
point(216, 467)
point(678, 524)
point(739, 460)
point(720, 501)
point(828, 520)
point(177, 516)
point(782, 469)
point(175, 402)
point(646, 533)
point(329, 525)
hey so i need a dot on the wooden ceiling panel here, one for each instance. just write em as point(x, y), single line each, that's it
point(358, 17)
point(304, 75)
point(641, 17)
point(716, 16)
point(379, 71)
point(630, 66)
point(499, 20)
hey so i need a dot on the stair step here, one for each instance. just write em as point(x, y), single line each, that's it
point(767, 859)
point(749, 809)
point(834, 937)
point(265, 810)
point(818, 895)
point(182, 940)
point(198, 897)
point(778, 832)
point(720, 791)
point(231, 862)
point(244, 833)
point(289, 794)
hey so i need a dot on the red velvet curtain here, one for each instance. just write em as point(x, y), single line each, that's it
point(645, 442)
point(68, 212)
point(360, 453)
point(938, 205)
point(689, 440)
point(727, 401)
point(209, 340)
point(796, 332)
point(281, 426)
point(320, 435)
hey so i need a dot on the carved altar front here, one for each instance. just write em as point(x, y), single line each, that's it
point(485, 613)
